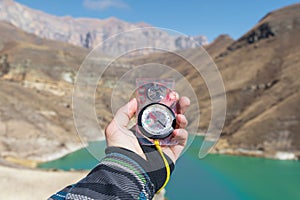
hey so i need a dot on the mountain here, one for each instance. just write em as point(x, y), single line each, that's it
point(36, 85)
point(86, 32)
point(219, 45)
point(45, 55)
point(260, 72)
point(35, 97)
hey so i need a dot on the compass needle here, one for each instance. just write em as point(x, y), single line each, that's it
point(162, 123)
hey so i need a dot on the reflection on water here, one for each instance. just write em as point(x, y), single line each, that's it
point(82, 159)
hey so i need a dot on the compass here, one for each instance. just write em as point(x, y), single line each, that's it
point(156, 121)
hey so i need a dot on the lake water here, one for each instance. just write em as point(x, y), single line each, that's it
point(214, 177)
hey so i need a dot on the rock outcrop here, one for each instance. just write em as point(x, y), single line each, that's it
point(4, 65)
point(278, 23)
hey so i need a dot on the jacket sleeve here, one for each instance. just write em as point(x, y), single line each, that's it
point(122, 174)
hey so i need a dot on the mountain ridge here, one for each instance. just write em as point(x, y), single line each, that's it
point(86, 32)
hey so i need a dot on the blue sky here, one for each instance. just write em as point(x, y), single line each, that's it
point(193, 17)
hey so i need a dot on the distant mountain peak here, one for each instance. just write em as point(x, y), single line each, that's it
point(113, 19)
point(142, 24)
point(7, 1)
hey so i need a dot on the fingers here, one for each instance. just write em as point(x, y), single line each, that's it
point(125, 113)
point(181, 121)
point(180, 136)
point(183, 104)
point(170, 99)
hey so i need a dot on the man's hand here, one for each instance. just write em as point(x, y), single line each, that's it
point(118, 135)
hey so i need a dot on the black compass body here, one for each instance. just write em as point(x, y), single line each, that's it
point(156, 121)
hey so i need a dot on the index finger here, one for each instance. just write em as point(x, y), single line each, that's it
point(183, 104)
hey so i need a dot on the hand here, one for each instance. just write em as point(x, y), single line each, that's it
point(117, 133)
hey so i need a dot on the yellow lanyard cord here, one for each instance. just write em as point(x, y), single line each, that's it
point(158, 147)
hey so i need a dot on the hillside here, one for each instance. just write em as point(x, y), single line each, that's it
point(35, 97)
point(260, 71)
point(36, 84)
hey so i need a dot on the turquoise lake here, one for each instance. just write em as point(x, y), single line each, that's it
point(214, 177)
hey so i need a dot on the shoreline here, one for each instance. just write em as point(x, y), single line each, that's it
point(220, 149)
point(33, 164)
point(277, 155)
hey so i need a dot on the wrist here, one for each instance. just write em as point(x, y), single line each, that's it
point(154, 166)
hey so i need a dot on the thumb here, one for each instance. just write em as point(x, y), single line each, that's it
point(125, 113)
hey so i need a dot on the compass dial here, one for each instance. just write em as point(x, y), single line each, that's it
point(156, 121)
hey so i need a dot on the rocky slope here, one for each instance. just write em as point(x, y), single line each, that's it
point(35, 96)
point(86, 32)
point(263, 91)
point(36, 85)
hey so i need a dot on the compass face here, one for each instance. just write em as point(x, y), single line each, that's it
point(156, 92)
point(156, 121)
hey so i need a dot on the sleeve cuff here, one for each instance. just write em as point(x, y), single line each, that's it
point(154, 165)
